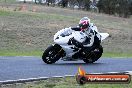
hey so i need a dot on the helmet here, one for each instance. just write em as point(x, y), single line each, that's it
point(84, 23)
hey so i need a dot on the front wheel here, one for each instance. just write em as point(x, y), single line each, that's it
point(50, 55)
point(94, 55)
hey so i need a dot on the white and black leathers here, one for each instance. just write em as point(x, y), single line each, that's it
point(92, 34)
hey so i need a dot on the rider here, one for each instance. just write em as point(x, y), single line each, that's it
point(93, 37)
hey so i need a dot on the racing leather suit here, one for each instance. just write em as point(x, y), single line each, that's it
point(93, 37)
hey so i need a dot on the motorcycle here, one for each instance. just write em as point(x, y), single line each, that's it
point(69, 52)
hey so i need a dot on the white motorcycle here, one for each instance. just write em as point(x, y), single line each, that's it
point(69, 52)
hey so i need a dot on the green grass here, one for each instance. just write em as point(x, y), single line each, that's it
point(4, 13)
point(7, 1)
point(21, 53)
point(68, 82)
point(116, 54)
point(44, 16)
point(39, 53)
point(55, 17)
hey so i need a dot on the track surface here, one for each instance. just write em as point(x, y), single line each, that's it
point(13, 68)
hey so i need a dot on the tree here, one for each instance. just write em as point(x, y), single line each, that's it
point(36, 1)
point(79, 3)
point(40, 1)
point(50, 1)
point(64, 3)
point(24, 1)
point(130, 8)
point(100, 6)
point(123, 8)
point(87, 4)
point(72, 3)
point(120, 7)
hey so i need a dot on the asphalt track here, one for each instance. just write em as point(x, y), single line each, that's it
point(13, 68)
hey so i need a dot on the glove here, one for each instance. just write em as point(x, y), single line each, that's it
point(76, 43)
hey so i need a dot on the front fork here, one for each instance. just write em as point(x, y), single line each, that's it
point(61, 52)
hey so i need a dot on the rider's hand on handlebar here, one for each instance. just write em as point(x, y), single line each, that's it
point(76, 43)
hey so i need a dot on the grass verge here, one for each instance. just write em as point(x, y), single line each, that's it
point(18, 33)
point(21, 53)
point(39, 53)
point(117, 54)
point(67, 82)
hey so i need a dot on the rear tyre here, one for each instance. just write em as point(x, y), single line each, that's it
point(94, 55)
point(50, 55)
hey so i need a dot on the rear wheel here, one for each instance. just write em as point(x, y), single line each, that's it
point(94, 55)
point(50, 55)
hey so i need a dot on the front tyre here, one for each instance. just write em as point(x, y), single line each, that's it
point(50, 55)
